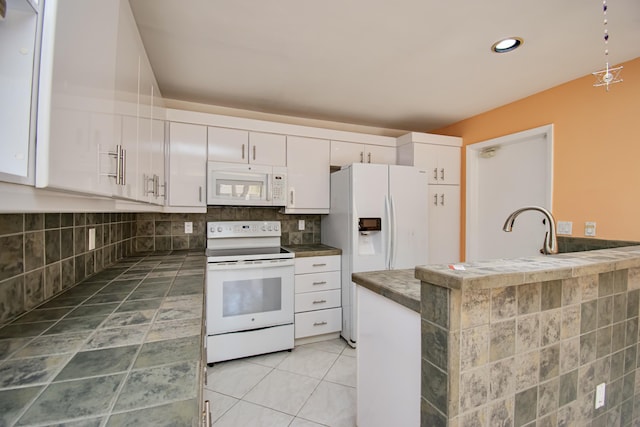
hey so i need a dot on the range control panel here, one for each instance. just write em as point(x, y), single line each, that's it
point(227, 229)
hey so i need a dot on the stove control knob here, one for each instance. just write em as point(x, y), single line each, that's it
point(270, 228)
point(219, 229)
point(276, 227)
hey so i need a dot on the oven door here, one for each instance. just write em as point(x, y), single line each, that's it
point(249, 295)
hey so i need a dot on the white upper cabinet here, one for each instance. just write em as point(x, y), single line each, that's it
point(308, 175)
point(187, 165)
point(345, 153)
point(19, 51)
point(444, 224)
point(76, 120)
point(241, 146)
point(439, 155)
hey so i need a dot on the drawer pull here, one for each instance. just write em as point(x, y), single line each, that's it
point(319, 283)
point(320, 265)
point(321, 301)
point(319, 323)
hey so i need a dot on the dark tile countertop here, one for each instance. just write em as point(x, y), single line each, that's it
point(400, 286)
point(122, 348)
point(313, 250)
point(502, 272)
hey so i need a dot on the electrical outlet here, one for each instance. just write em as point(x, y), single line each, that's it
point(565, 228)
point(300, 224)
point(590, 229)
point(188, 227)
point(92, 239)
point(600, 395)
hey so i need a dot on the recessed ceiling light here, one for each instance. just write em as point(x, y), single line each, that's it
point(507, 45)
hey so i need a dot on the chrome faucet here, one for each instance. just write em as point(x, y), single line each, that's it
point(550, 238)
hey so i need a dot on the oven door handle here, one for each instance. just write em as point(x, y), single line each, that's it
point(251, 265)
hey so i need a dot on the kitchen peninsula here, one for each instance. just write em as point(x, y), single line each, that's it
point(122, 348)
point(514, 341)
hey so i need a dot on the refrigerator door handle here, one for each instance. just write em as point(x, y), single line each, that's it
point(387, 254)
point(394, 236)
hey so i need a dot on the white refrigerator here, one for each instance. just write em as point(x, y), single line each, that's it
point(378, 218)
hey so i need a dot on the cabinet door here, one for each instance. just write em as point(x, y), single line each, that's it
point(187, 164)
point(227, 145)
point(380, 154)
point(449, 165)
point(345, 153)
point(267, 149)
point(75, 100)
point(307, 175)
point(129, 188)
point(444, 224)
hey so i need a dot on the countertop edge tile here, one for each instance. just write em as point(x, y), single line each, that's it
point(399, 286)
point(303, 251)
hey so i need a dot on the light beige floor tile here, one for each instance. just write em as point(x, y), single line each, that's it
point(299, 422)
point(271, 360)
point(248, 414)
point(309, 362)
point(282, 391)
point(219, 403)
point(343, 371)
point(349, 351)
point(235, 378)
point(331, 404)
point(332, 346)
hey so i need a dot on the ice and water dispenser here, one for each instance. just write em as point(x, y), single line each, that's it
point(369, 236)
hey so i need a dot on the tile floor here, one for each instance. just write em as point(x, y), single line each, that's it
point(313, 385)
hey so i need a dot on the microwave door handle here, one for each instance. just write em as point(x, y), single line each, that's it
point(268, 184)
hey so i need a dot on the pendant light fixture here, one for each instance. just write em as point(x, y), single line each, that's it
point(607, 76)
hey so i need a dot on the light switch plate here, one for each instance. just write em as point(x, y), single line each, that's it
point(188, 227)
point(565, 228)
point(300, 224)
point(92, 239)
point(600, 395)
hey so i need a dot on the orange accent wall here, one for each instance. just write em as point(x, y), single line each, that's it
point(596, 150)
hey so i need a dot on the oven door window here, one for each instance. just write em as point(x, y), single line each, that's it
point(240, 297)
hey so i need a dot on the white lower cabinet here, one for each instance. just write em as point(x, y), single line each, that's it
point(318, 308)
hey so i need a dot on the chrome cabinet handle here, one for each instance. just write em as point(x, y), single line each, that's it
point(200, 193)
point(319, 265)
point(319, 323)
point(254, 152)
point(206, 416)
point(435, 173)
point(362, 157)
point(442, 174)
point(292, 201)
point(320, 301)
point(242, 151)
point(369, 157)
point(435, 200)
point(319, 283)
point(123, 167)
point(442, 199)
point(146, 180)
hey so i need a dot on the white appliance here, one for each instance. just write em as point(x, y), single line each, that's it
point(246, 185)
point(378, 218)
point(250, 290)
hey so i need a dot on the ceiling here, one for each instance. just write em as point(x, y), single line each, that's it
point(408, 64)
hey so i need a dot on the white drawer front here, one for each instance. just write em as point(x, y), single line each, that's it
point(316, 264)
point(317, 300)
point(317, 282)
point(318, 322)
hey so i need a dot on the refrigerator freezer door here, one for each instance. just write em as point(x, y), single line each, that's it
point(408, 188)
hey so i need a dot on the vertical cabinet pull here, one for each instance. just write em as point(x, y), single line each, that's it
point(200, 193)
point(362, 157)
point(442, 199)
point(435, 200)
point(442, 174)
point(123, 167)
point(369, 157)
point(435, 173)
point(254, 152)
point(242, 151)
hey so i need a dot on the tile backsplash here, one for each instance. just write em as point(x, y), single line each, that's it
point(43, 254)
point(163, 231)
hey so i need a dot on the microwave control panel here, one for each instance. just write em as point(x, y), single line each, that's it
point(279, 186)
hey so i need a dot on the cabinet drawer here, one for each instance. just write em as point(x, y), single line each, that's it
point(318, 322)
point(317, 300)
point(317, 282)
point(316, 264)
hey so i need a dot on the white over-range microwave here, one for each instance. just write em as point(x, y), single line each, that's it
point(246, 185)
